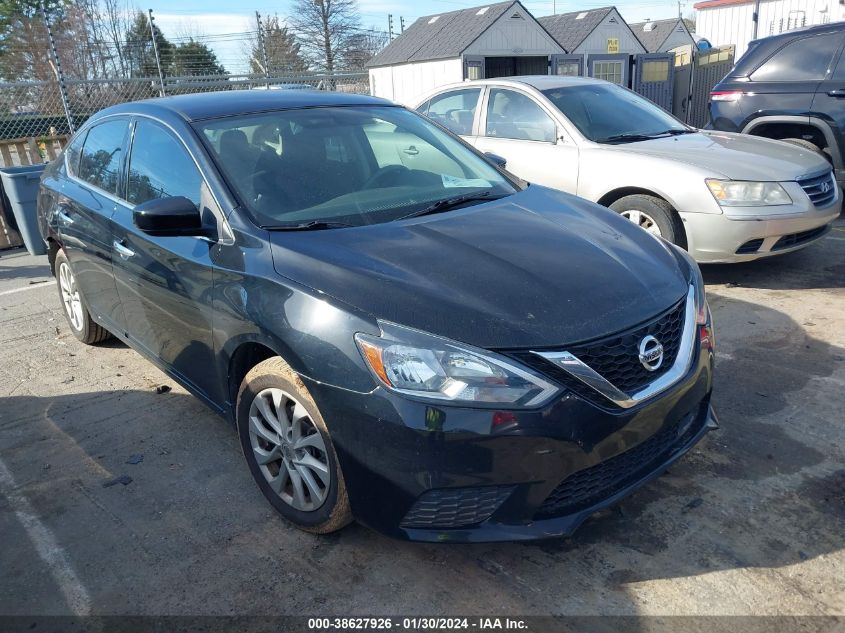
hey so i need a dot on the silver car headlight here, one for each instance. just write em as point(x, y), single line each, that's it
point(418, 364)
point(743, 193)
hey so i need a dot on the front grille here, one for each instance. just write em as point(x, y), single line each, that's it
point(751, 246)
point(592, 485)
point(617, 358)
point(796, 239)
point(455, 507)
point(820, 189)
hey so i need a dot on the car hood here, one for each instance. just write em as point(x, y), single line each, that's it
point(536, 269)
point(735, 156)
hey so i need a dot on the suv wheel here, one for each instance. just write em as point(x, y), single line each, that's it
point(652, 214)
point(809, 145)
point(76, 310)
point(289, 450)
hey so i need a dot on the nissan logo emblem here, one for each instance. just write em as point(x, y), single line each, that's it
point(651, 353)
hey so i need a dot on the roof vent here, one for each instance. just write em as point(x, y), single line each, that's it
point(649, 26)
point(612, 21)
point(482, 11)
point(517, 16)
point(581, 15)
point(434, 19)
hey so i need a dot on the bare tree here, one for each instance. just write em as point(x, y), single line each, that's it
point(324, 29)
point(362, 47)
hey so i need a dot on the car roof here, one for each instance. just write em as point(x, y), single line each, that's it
point(540, 82)
point(210, 105)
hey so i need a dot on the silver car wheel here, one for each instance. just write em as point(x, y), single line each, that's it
point(289, 450)
point(70, 296)
point(642, 220)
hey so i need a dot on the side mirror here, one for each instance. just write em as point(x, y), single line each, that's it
point(500, 162)
point(170, 216)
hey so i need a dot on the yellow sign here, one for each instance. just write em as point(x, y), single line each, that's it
point(612, 44)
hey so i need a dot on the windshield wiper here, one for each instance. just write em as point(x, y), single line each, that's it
point(314, 225)
point(627, 138)
point(675, 131)
point(632, 137)
point(451, 203)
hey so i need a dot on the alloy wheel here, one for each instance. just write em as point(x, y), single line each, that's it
point(643, 220)
point(70, 296)
point(289, 450)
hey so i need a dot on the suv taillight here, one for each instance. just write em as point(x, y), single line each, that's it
point(726, 95)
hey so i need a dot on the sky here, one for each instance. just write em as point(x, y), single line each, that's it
point(221, 18)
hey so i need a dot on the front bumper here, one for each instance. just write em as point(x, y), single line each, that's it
point(719, 238)
point(495, 474)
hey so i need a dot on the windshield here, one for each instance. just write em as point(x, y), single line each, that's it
point(605, 113)
point(346, 166)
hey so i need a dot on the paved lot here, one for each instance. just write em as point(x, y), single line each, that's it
point(749, 522)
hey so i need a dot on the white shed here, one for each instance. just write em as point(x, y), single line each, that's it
point(725, 22)
point(593, 32)
point(661, 36)
point(496, 40)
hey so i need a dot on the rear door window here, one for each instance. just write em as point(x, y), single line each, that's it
point(805, 59)
point(455, 110)
point(102, 155)
point(160, 167)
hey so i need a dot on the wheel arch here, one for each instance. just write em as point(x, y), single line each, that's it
point(617, 194)
point(53, 248)
point(788, 126)
point(244, 355)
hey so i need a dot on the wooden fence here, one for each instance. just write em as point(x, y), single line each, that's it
point(20, 152)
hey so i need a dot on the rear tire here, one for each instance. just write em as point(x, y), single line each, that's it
point(84, 328)
point(289, 450)
point(653, 214)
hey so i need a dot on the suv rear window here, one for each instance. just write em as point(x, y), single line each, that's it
point(805, 59)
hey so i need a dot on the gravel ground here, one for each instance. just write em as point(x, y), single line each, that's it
point(750, 522)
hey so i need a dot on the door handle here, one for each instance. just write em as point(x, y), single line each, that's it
point(121, 249)
point(61, 213)
point(411, 151)
point(839, 93)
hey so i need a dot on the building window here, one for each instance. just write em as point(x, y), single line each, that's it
point(612, 44)
point(473, 70)
point(609, 71)
point(656, 71)
point(569, 69)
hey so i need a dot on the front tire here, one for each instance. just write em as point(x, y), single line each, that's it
point(652, 214)
point(78, 317)
point(289, 450)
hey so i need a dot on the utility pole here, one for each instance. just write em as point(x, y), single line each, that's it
point(57, 69)
point(401, 23)
point(263, 46)
point(390, 25)
point(756, 18)
point(680, 15)
point(155, 50)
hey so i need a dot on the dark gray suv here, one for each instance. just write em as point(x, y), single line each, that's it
point(789, 87)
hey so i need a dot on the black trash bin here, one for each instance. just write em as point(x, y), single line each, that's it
point(21, 187)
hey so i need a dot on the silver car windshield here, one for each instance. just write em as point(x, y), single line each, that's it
point(347, 166)
point(605, 113)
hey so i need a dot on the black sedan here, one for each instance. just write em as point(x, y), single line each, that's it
point(401, 331)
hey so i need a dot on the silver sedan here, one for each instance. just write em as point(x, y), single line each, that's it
point(725, 197)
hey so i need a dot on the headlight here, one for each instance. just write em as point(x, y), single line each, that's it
point(702, 310)
point(739, 193)
point(423, 365)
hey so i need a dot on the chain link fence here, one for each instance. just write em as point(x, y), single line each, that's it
point(34, 109)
